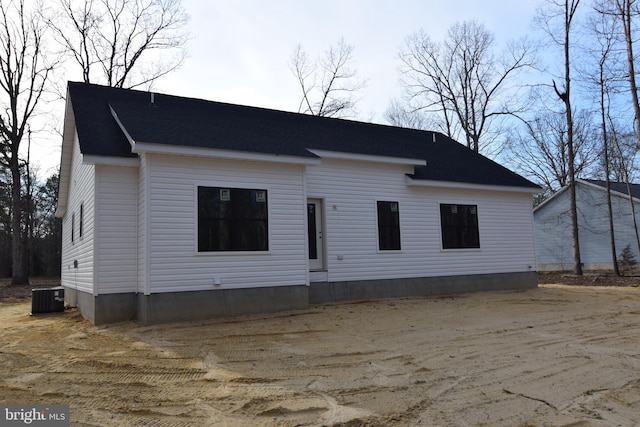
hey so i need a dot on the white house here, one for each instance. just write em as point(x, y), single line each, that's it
point(554, 242)
point(176, 208)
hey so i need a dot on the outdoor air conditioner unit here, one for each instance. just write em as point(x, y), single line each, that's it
point(47, 300)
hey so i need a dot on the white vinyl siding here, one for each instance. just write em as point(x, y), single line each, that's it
point(80, 252)
point(553, 229)
point(175, 264)
point(553, 233)
point(350, 189)
point(143, 226)
point(117, 227)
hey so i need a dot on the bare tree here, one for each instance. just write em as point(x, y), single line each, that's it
point(565, 11)
point(606, 38)
point(400, 115)
point(541, 150)
point(24, 73)
point(626, 9)
point(122, 43)
point(626, 169)
point(622, 150)
point(462, 80)
point(329, 85)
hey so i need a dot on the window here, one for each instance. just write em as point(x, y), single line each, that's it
point(81, 219)
point(459, 226)
point(232, 219)
point(388, 226)
point(73, 227)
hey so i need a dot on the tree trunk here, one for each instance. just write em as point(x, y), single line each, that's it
point(633, 214)
point(624, 10)
point(17, 248)
point(614, 256)
point(605, 144)
point(569, 12)
point(577, 262)
point(632, 205)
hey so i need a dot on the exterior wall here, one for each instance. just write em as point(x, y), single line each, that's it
point(170, 225)
point(116, 229)
point(553, 230)
point(553, 234)
point(149, 268)
point(143, 224)
point(505, 223)
point(80, 252)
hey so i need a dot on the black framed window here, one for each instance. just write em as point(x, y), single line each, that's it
point(388, 226)
point(232, 219)
point(81, 218)
point(73, 227)
point(459, 226)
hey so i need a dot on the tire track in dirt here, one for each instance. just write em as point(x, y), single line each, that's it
point(551, 356)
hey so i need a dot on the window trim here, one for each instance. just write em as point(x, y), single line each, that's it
point(460, 203)
point(378, 249)
point(239, 186)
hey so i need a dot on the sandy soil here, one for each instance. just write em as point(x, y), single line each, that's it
point(552, 356)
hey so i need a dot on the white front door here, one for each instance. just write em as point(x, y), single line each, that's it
point(315, 235)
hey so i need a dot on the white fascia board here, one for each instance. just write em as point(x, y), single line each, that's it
point(367, 157)
point(60, 211)
point(66, 157)
point(146, 147)
point(90, 159)
point(550, 198)
point(469, 186)
point(586, 183)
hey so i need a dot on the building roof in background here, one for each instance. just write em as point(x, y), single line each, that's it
point(620, 187)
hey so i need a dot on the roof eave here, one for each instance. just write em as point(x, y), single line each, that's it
point(68, 137)
point(327, 154)
point(148, 147)
point(587, 183)
point(93, 159)
point(601, 188)
point(470, 186)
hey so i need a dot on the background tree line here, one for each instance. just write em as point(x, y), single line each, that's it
point(119, 43)
point(559, 105)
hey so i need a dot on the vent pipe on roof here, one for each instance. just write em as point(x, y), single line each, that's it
point(433, 135)
point(152, 98)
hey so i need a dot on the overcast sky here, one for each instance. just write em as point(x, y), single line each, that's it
point(240, 50)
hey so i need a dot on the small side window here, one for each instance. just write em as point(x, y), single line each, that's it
point(388, 226)
point(81, 219)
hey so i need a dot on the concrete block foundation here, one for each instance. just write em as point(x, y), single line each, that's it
point(420, 286)
point(200, 305)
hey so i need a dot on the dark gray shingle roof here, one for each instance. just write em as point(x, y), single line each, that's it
point(620, 187)
point(180, 121)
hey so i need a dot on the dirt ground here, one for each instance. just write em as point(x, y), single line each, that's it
point(553, 356)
